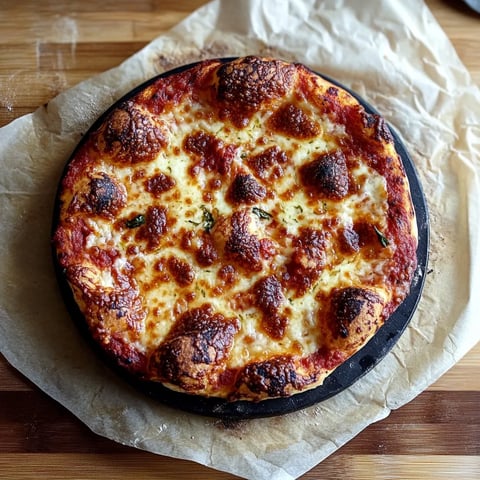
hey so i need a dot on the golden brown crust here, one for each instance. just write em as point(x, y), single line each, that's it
point(238, 229)
point(247, 83)
point(353, 317)
point(130, 135)
point(197, 345)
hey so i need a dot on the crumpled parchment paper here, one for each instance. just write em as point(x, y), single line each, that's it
point(392, 53)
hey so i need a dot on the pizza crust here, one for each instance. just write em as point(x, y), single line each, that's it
point(237, 229)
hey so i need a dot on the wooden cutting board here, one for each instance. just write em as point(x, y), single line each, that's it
point(47, 47)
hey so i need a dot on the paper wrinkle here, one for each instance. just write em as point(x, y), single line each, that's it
point(393, 54)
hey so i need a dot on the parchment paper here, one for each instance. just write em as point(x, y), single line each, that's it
point(392, 53)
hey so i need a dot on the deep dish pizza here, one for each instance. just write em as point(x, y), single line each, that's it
point(237, 229)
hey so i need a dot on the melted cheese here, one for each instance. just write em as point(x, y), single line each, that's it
point(369, 201)
point(284, 212)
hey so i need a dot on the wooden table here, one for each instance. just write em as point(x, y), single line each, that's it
point(47, 47)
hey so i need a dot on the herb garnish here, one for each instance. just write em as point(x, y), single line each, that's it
point(135, 221)
point(298, 208)
point(207, 218)
point(261, 213)
point(381, 237)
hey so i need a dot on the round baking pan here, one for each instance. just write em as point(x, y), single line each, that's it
point(347, 373)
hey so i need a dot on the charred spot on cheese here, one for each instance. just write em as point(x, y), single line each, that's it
point(106, 197)
point(181, 271)
point(293, 122)
point(327, 175)
point(333, 91)
point(354, 313)
point(209, 153)
point(130, 136)
point(269, 164)
point(155, 226)
point(158, 184)
point(307, 261)
point(274, 377)
point(126, 355)
point(244, 85)
point(367, 136)
point(197, 345)
point(102, 196)
point(241, 246)
point(245, 190)
point(381, 132)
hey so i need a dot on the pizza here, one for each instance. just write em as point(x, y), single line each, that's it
point(235, 229)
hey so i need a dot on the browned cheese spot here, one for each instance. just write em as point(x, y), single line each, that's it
point(181, 271)
point(348, 240)
point(227, 275)
point(195, 348)
point(209, 153)
point(273, 377)
point(245, 190)
point(241, 246)
point(307, 261)
point(269, 164)
point(327, 175)
point(244, 85)
point(268, 294)
point(381, 132)
point(292, 121)
point(206, 254)
point(158, 184)
point(354, 316)
point(274, 325)
point(202, 246)
point(155, 227)
point(130, 136)
point(126, 355)
point(104, 197)
point(118, 310)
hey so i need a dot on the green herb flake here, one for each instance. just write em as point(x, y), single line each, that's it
point(207, 219)
point(299, 208)
point(261, 213)
point(382, 238)
point(135, 222)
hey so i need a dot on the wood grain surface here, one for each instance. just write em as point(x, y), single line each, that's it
point(47, 47)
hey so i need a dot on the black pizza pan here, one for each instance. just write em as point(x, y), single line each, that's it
point(346, 374)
